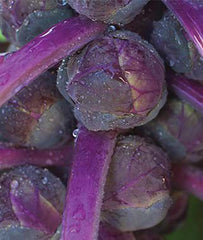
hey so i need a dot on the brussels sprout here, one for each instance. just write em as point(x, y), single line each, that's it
point(113, 82)
point(31, 203)
point(109, 11)
point(173, 44)
point(178, 129)
point(22, 20)
point(142, 24)
point(37, 116)
point(137, 187)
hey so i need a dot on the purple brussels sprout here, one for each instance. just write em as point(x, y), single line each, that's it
point(137, 187)
point(178, 129)
point(37, 116)
point(113, 82)
point(174, 45)
point(109, 11)
point(23, 20)
point(31, 203)
point(142, 24)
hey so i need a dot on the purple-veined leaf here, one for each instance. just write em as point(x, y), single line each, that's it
point(32, 209)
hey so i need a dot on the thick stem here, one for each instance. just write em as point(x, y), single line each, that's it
point(12, 157)
point(23, 66)
point(188, 178)
point(190, 14)
point(93, 151)
point(187, 89)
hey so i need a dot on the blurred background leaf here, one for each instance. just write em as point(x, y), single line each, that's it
point(2, 38)
point(192, 228)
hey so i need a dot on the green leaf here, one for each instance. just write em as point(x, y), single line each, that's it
point(192, 228)
point(2, 38)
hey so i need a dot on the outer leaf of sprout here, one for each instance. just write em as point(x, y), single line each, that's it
point(31, 202)
point(172, 131)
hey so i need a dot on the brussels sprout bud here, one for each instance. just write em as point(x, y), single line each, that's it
point(174, 45)
point(23, 20)
point(113, 82)
point(37, 116)
point(178, 129)
point(137, 187)
point(31, 203)
point(115, 12)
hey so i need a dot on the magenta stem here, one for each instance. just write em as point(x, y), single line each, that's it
point(20, 68)
point(12, 157)
point(190, 15)
point(188, 178)
point(187, 89)
point(92, 156)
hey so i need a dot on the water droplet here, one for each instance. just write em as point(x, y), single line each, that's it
point(79, 213)
point(26, 22)
point(14, 184)
point(111, 28)
point(171, 63)
point(75, 133)
point(62, 2)
point(44, 180)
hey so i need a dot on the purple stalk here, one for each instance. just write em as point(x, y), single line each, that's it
point(188, 90)
point(190, 14)
point(23, 66)
point(93, 151)
point(11, 156)
point(188, 178)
